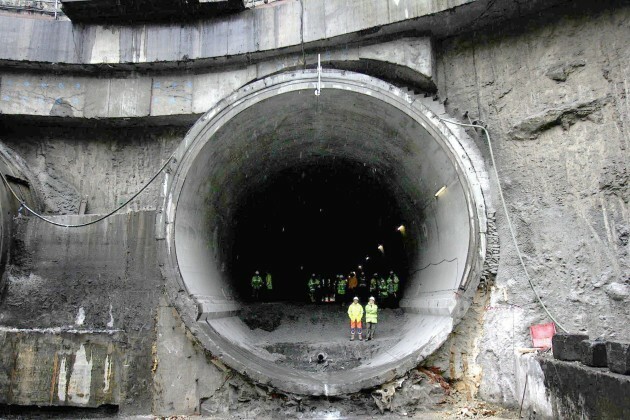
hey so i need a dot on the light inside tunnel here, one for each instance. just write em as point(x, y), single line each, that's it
point(277, 179)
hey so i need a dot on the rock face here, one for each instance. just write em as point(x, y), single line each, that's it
point(560, 84)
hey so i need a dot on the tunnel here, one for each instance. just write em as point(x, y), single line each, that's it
point(329, 173)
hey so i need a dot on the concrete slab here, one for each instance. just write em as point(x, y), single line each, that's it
point(129, 97)
point(594, 353)
point(187, 93)
point(61, 368)
point(567, 346)
point(96, 102)
point(618, 357)
point(171, 95)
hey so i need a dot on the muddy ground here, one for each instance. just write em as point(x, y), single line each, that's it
point(317, 337)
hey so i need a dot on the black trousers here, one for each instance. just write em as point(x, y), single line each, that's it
point(371, 327)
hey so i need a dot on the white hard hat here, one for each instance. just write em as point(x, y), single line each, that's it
point(355, 298)
point(372, 298)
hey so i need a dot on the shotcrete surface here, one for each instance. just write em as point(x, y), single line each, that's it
point(554, 95)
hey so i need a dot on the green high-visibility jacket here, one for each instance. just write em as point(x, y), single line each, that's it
point(373, 285)
point(341, 287)
point(371, 312)
point(382, 288)
point(269, 282)
point(355, 312)
point(312, 284)
point(396, 283)
point(390, 285)
point(257, 282)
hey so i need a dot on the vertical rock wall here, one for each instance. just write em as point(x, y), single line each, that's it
point(554, 94)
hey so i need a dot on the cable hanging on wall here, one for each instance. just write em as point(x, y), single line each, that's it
point(476, 124)
point(111, 213)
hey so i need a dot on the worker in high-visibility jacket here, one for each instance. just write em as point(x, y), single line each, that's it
point(269, 285)
point(313, 285)
point(341, 289)
point(256, 285)
point(353, 282)
point(355, 312)
point(393, 285)
point(371, 318)
point(374, 283)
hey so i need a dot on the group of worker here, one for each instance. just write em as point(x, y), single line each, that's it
point(326, 290)
point(259, 286)
point(356, 311)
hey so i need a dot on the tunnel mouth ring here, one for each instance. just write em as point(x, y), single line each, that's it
point(278, 124)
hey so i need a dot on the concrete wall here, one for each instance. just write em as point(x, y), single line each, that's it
point(78, 314)
point(288, 24)
point(106, 165)
point(185, 95)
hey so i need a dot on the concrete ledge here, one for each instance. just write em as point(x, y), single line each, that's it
point(252, 34)
point(181, 98)
point(578, 391)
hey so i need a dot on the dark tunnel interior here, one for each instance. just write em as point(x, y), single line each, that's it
point(326, 218)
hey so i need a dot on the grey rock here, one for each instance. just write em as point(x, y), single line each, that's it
point(618, 291)
point(618, 357)
point(561, 72)
point(566, 115)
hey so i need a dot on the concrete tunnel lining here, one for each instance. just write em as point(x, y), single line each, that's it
point(279, 123)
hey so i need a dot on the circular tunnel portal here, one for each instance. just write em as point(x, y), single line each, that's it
point(278, 179)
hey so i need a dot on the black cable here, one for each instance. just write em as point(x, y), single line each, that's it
point(93, 221)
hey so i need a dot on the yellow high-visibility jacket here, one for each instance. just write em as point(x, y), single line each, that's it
point(371, 313)
point(355, 312)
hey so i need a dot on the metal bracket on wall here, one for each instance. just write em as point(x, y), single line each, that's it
point(318, 91)
point(83, 205)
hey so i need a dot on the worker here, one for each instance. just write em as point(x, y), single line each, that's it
point(395, 283)
point(341, 289)
point(355, 312)
point(353, 282)
point(382, 290)
point(390, 291)
point(269, 284)
point(256, 285)
point(374, 284)
point(312, 288)
point(318, 289)
point(362, 289)
point(371, 318)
